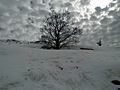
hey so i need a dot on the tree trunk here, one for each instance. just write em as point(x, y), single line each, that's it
point(58, 41)
point(57, 44)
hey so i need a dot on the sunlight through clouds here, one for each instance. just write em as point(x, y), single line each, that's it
point(99, 3)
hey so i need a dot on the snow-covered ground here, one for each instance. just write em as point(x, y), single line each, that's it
point(24, 68)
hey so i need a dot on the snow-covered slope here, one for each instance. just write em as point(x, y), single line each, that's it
point(23, 68)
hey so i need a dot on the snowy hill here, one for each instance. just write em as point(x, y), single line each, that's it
point(34, 44)
point(24, 68)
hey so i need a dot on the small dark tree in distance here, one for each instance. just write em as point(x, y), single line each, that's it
point(99, 43)
point(59, 30)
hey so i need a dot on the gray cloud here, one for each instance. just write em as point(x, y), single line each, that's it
point(17, 15)
point(85, 2)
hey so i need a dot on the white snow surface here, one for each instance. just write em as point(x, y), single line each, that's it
point(24, 68)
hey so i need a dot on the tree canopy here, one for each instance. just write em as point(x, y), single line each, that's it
point(59, 30)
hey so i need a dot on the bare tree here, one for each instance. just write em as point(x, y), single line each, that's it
point(59, 30)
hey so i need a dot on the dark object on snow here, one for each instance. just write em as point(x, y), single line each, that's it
point(99, 43)
point(76, 67)
point(116, 82)
point(118, 88)
point(61, 68)
point(86, 48)
point(28, 70)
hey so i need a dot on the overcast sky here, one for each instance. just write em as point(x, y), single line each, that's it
point(99, 19)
